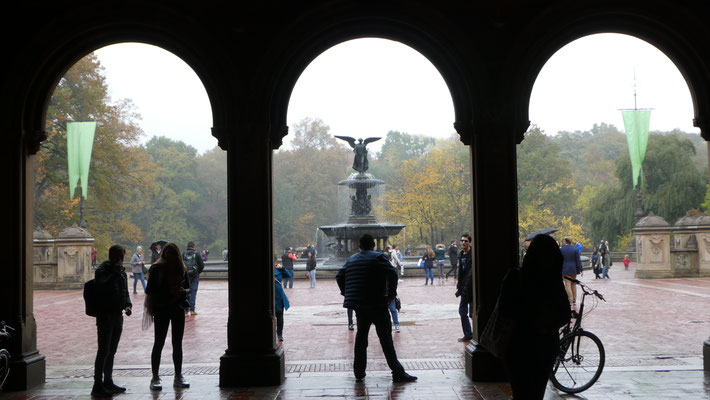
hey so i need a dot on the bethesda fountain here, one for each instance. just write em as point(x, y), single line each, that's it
point(345, 236)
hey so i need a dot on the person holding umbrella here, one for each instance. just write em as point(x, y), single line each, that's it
point(156, 248)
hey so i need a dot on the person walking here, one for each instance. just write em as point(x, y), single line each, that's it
point(112, 283)
point(594, 263)
point(626, 261)
point(287, 259)
point(395, 259)
point(225, 254)
point(534, 343)
point(605, 258)
point(368, 282)
point(464, 286)
point(571, 266)
point(428, 259)
point(166, 300)
point(138, 266)
point(281, 302)
point(311, 269)
point(440, 255)
point(453, 260)
point(394, 311)
point(194, 265)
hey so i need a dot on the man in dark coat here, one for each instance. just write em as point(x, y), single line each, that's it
point(571, 266)
point(113, 283)
point(195, 265)
point(287, 263)
point(369, 283)
point(464, 287)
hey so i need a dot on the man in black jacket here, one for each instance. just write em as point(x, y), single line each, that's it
point(287, 263)
point(464, 287)
point(113, 283)
point(195, 266)
point(369, 283)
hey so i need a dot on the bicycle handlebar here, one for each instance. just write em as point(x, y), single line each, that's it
point(585, 288)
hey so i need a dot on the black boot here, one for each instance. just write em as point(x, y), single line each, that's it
point(98, 390)
point(113, 388)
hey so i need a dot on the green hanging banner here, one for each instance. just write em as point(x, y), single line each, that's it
point(637, 123)
point(80, 141)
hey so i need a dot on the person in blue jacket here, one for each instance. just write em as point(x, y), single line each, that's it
point(280, 299)
point(571, 266)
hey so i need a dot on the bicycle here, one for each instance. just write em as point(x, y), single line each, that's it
point(581, 358)
point(4, 354)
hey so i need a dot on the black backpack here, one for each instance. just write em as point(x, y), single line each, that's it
point(92, 298)
point(191, 262)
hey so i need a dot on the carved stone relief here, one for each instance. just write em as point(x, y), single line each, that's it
point(657, 250)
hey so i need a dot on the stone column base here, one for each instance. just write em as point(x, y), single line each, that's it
point(26, 372)
point(482, 366)
point(241, 370)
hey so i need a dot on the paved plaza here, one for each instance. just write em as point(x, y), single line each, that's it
point(652, 330)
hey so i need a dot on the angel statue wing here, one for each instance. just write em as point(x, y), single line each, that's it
point(370, 140)
point(348, 139)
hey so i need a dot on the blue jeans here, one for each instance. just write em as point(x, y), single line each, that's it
point(312, 278)
point(429, 272)
point(465, 321)
point(194, 283)
point(605, 273)
point(288, 281)
point(136, 276)
point(393, 311)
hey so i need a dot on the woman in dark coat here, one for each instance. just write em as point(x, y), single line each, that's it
point(167, 290)
point(538, 303)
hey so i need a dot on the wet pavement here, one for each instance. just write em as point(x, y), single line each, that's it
point(652, 330)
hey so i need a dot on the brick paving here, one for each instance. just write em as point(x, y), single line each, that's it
point(652, 330)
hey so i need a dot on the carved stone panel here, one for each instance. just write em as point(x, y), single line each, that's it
point(657, 253)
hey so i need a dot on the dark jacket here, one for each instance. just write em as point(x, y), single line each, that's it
point(311, 264)
point(428, 261)
point(164, 290)
point(453, 254)
point(286, 261)
point(199, 263)
point(113, 284)
point(464, 286)
point(571, 263)
point(367, 280)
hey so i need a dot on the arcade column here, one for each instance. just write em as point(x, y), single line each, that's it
point(252, 357)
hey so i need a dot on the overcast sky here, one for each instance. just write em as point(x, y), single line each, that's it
point(367, 87)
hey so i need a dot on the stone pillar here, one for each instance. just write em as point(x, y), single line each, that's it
point(495, 235)
point(253, 357)
point(27, 365)
point(653, 247)
point(702, 236)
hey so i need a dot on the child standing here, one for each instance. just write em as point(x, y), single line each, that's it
point(626, 261)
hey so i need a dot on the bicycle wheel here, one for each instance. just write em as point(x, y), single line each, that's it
point(580, 362)
point(4, 366)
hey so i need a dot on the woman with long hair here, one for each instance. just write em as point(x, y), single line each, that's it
point(428, 259)
point(536, 299)
point(167, 290)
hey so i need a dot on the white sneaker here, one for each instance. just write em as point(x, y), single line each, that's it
point(400, 281)
point(396, 328)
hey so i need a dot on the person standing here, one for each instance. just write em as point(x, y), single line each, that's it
point(287, 263)
point(571, 266)
point(605, 259)
point(311, 268)
point(534, 343)
point(138, 266)
point(225, 254)
point(578, 246)
point(112, 283)
point(440, 254)
point(626, 261)
point(94, 252)
point(395, 313)
point(464, 287)
point(368, 281)
point(395, 260)
point(167, 291)
point(595, 263)
point(453, 260)
point(281, 302)
point(194, 265)
point(428, 259)
point(155, 253)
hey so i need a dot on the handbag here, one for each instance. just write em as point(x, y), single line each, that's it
point(421, 263)
point(397, 303)
point(498, 333)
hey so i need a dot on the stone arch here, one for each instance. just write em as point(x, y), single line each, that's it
point(550, 35)
point(82, 40)
point(437, 48)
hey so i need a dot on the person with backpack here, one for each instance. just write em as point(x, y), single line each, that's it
point(194, 264)
point(109, 300)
